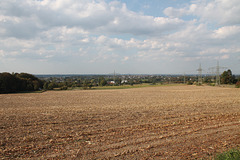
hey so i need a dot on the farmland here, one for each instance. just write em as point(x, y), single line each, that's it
point(166, 122)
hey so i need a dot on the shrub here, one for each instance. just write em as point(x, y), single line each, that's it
point(64, 88)
point(189, 82)
point(212, 84)
point(238, 84)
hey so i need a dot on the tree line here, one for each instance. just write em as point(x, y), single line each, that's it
point(19, 82)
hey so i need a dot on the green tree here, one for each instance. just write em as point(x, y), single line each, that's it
point(8, 83)
point(227, 77)
point(131, 82)
point(52, 85)
point(103, 82)
point(118, 81)
point(86, 84)
point(153, 80)
point(45, 86)
point(93, 82)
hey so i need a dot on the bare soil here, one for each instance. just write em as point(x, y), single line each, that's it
point(169, 122)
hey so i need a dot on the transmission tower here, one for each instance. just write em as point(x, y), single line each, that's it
point(184, 78)
point(199, 74)
point(218, 74)
point(114, 78)
point(217, 68)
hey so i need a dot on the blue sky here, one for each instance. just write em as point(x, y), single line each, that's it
point(137, 36)
point(153, 7)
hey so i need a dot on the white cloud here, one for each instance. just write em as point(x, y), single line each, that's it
point(96, 31)
point(30, 18)
point(230, 50)
point(173, 12)
point(226, 56)
point(226, 31)
point(125, 58)
point(1, 53)
point(221, 12)
point(101, 39)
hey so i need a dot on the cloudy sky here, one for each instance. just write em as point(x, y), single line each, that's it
point(129, 36)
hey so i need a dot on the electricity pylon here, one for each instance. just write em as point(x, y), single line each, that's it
point(184, 78)
point(200, 74)
point(217, 73)
point(114, 78)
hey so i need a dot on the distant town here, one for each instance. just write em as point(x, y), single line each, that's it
point(91, 80)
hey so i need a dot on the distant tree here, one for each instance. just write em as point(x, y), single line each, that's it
point(51, 86)
point(103, 82)
point(86, 84)
point(93, 82)
point(153, 80)
point(138, 81)
point(131, 82)
point(45, 86)
point(79, 83)
point(118, 81)
point(227, 77)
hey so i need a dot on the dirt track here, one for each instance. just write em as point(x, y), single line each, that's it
point(171, 122)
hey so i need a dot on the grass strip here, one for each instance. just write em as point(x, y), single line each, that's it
point(233, 154)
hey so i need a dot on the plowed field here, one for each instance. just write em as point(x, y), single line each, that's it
point(169, 122)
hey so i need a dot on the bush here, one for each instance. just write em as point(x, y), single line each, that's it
point(189, 82)
point(233, 154)
point(212, 84)
point(238, 84)
point(64, 88)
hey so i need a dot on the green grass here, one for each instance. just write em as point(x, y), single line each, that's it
point(121, 87)
point(133, 86)
point(233, 154)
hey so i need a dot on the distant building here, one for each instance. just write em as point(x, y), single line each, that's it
point(124, 81)
point(111, 82)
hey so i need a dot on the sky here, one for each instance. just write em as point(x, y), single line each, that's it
point(128, 36)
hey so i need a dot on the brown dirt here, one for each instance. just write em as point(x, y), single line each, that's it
point(171, 122)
